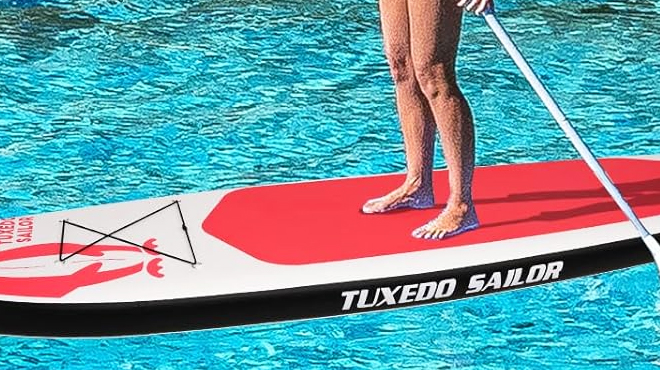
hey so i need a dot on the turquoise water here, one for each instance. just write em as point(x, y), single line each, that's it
point(106, 101)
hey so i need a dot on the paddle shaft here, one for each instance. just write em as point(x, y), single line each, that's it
point(570, 132)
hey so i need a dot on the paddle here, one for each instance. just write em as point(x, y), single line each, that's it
point(570, 132)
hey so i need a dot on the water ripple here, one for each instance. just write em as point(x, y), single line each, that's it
point(105, 101)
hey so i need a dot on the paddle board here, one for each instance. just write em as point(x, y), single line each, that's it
point(305, 250)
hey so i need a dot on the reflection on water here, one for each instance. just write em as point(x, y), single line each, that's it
point(105, 100)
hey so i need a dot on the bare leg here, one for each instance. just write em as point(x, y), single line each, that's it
point(435, 29)
point(417, 124)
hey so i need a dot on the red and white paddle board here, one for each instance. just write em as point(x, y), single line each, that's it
point(304, 250)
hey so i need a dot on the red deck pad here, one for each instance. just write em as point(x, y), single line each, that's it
point(321, 221)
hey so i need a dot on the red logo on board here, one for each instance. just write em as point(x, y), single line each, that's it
point(95, 270)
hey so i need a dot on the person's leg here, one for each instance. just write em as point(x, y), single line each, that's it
point(435, 28)
point(417, 124)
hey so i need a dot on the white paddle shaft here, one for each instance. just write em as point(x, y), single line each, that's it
point(570, 132)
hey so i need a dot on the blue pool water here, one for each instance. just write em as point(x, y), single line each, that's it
point(106, 101)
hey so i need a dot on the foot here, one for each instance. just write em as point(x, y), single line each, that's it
point(452, 221)
point(406, 196)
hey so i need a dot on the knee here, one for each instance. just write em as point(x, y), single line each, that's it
point(436, 80)
point(401, 65)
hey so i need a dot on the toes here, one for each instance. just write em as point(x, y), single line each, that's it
point(420, 232)
point(432, 234)
point(371, 206)
point(429, 231)
point(436, 234)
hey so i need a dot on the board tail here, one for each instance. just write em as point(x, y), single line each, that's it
point(570, 132)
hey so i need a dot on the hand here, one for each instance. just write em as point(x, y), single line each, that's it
point(476, 6)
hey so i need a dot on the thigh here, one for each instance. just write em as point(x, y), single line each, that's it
point(435, 27)
point(396, 35)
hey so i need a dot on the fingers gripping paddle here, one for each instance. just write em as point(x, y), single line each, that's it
point(570, 132)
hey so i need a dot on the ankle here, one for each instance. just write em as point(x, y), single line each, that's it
point(459, 204)
point(414, 183)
